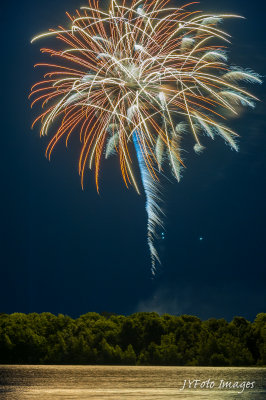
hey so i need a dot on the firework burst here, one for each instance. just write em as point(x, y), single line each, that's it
point(134, 79)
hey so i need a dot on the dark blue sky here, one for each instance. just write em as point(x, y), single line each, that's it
point(71, 251)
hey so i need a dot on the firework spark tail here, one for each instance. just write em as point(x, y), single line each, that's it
point(153, 201)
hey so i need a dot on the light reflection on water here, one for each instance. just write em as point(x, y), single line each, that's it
point(124, 383)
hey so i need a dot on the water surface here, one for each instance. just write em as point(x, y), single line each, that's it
point(124, 383)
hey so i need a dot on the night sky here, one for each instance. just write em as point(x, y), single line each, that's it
point(70, 251)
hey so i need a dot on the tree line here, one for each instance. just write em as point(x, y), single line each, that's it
point(139, 339)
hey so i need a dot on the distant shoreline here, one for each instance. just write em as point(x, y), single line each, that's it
point(131, 366)
point(141, 339)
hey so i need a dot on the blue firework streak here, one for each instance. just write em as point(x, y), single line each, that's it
point(153, 201)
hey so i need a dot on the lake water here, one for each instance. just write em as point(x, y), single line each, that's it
point(134, 383)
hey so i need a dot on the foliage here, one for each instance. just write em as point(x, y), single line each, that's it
point(139, 339)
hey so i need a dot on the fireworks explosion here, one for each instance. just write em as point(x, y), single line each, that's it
point(135, 79)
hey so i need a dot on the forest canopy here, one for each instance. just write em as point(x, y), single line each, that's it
point(139, 339)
